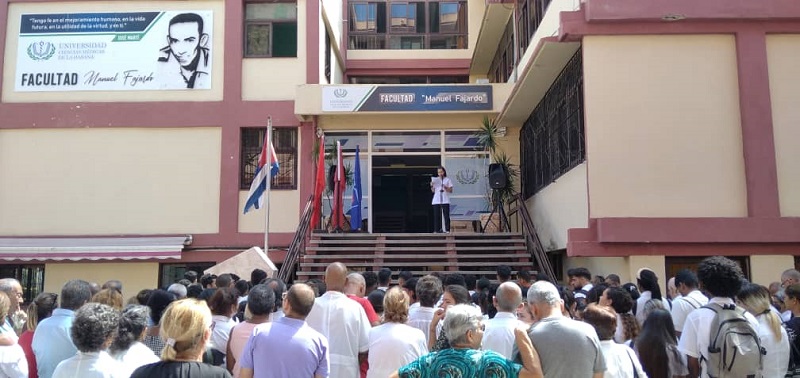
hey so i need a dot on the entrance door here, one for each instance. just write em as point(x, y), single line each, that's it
point(401, 192)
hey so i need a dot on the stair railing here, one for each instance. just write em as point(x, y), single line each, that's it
point(532, 241)
point(297, 246)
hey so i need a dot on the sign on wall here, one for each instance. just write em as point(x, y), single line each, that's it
point(114, 51)
point(406, 98)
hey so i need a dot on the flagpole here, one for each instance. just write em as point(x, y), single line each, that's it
point(268, 167)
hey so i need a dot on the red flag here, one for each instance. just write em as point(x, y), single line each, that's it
point(337, 212)
point(319, 184)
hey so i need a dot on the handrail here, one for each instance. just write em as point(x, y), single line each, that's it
point(293, 254)
point(532, 238)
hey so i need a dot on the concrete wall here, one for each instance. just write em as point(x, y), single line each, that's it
point(283, 213)
point(783, 52)
point(16, 9)
point(135, 276)
point(663, 130)
point(625, 267)
point(109, 181)
point(562, 205)
point(765, 269)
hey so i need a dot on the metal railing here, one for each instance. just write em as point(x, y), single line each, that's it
point(532, 240)
point(297, 246)
point(384, 41)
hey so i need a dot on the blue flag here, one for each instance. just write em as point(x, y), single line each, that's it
point(355, 208)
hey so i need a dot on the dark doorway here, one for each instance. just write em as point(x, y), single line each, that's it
point(402, 193)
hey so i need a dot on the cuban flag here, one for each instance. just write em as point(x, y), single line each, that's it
point(256, 196)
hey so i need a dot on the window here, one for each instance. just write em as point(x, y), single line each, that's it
point(171, 273)
point(552, 138)
point(270, 29)
point(406, 25)
point(31, 277)
point(285, 141)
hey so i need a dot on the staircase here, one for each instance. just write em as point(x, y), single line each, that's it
point(467, 253)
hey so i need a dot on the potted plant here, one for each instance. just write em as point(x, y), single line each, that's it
point(488, 137)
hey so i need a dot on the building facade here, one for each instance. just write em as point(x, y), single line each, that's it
point(645, 135)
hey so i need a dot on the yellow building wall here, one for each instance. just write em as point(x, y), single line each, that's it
point(16, 9)
point(475, 10)
point(625, 267)
point(109, 181)
point(283, 212)
point(765, 269)
point(562, 205)
point(783, 52)
point(135, 276)
point(663, 130)
point(273, 79)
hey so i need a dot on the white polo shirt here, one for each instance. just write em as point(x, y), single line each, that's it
point(697, 331)
point(499, 335)
point(682, 306)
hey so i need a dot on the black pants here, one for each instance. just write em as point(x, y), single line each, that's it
point(437, 217)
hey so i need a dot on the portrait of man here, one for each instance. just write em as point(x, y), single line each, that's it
point(187, 53)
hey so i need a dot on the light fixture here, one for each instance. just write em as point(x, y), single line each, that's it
point(673, 17)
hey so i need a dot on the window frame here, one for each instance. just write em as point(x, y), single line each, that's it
point(423, 8)
point(270, 23)
point(249, 157)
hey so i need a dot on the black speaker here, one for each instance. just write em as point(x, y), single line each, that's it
point(332, 177)
point(497, 176)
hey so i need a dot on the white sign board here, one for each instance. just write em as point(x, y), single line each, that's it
point(114, 51)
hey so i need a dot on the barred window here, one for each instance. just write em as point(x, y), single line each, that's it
point(552, 139)
point(285, 141)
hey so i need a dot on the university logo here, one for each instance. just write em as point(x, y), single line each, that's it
point(41, 50)
point(467, 176)
point(340, 93)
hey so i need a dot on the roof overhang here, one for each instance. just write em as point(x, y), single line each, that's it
point(493, 25)
point(536, 77)
point(98, 248)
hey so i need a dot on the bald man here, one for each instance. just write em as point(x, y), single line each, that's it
point(499, 335)
point(287, 347)
point(342, 321)
point(355, 289)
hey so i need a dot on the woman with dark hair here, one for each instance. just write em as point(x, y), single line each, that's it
point(621, 361)
point(486, 300)
point(157, 301)
point(657, 347)
point(453, 295)
point(648, 284)
point(92, 332)
point(756, 300)
point(40, 309)
point(620, 300)
point(223, 306)
point(127, 347)
point(441, 186)
point(596, 293)
point(570, 305)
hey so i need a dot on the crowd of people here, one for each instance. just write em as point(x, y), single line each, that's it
point(357, 324)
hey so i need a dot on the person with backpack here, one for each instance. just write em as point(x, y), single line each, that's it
point(657, 347)
point(720, 338)
point(690, 298)
point(755, 299)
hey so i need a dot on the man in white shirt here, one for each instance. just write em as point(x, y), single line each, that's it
point(690, 299)
point(499, 334)
point(342, 321)
point(428, 290)
point(721, 278)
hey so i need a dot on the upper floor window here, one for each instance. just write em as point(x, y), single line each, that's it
point(405, 25)
point(270, 29)
point(285, 141)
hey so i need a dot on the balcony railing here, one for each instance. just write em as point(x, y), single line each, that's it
point(407, 41)
point(529, 17)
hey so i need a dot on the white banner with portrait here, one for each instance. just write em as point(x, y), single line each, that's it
point(116, 51)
